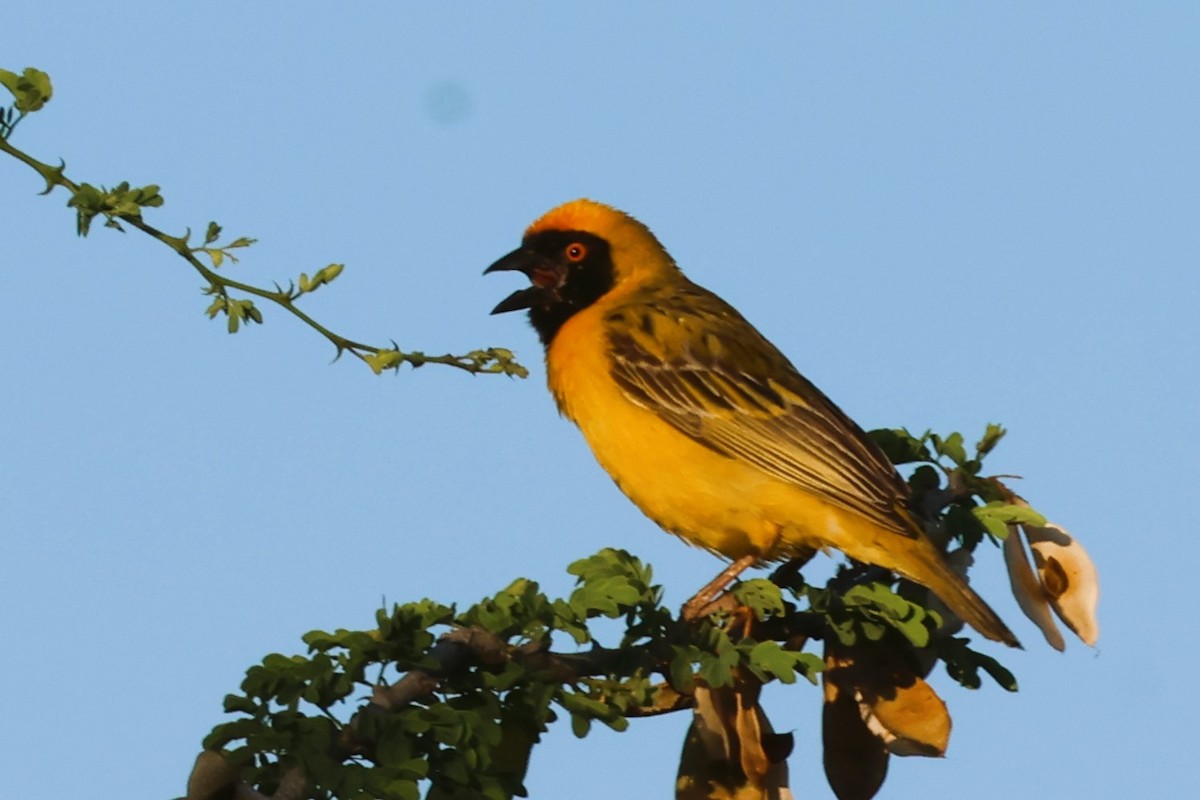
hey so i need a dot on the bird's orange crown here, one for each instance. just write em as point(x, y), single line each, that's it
point(578, 215)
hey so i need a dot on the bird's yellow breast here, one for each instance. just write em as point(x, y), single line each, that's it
point(710, 500)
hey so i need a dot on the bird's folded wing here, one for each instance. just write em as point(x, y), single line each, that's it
point(701, 367)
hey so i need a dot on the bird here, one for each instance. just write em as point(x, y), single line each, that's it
point(702, 422)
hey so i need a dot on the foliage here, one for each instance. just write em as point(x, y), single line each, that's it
point(348, 714)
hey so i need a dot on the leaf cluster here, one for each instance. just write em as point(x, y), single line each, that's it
point(346, 716)
point(948, 486)
point(31, 90)
point(120, 202)
point(441, 702)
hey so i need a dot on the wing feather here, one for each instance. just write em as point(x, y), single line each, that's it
point(694, 361)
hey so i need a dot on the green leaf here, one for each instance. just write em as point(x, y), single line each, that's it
point(619, 590)
point(618, 724)
point(877, 595)
point(951, 447)
point(414, 721)
point(717, 670)
point(810, 665)
point(228, 732)
point(761, 596)
point(769, 659)
point(872, 630)
point(900, 446)
point(578, 703)
point(991, 437)
point(881, 608)
point(915, 629)
point(235, 702)
point(402, 789)
point(384, 359)
point(512, 674)
point(605, 563)
point(567, 621)
point(845, 630)
point(997, 516)
point(31, 88)
point(320, 277)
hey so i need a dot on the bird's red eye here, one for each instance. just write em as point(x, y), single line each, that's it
point(575, 252)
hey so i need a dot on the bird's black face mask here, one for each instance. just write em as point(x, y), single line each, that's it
point(568, 270)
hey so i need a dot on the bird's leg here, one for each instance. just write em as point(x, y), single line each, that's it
point(698, 606)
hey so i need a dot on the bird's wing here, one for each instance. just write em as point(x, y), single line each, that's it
point(694, 361)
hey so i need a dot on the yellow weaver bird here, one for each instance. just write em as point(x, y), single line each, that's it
point(701, 421)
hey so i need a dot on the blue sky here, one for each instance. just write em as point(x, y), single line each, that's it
point(946, 214)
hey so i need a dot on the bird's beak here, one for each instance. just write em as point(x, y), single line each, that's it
point(546, 278)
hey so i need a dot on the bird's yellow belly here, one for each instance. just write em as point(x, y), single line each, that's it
point(710, 500)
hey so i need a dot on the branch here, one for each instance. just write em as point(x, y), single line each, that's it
point(456, 652)
point(123, 205)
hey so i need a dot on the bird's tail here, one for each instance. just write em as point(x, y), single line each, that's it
point(952, 589)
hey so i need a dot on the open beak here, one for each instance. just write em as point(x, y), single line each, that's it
point(546, 278)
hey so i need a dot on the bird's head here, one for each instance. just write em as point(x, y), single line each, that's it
point(576, 254)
